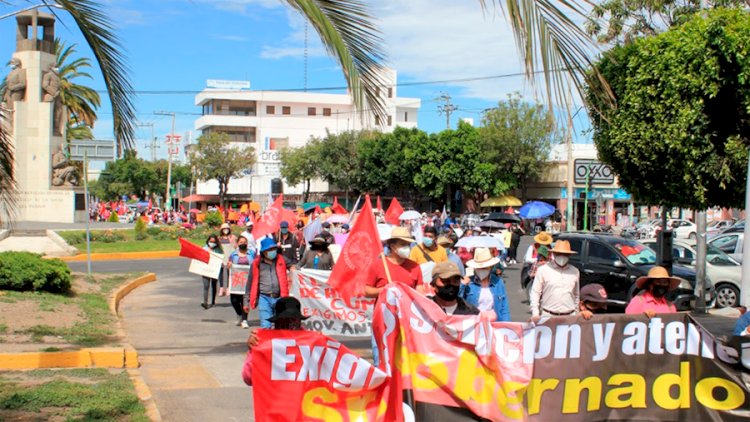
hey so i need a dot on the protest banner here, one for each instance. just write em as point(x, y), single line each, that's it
point(210, 269)
point(304, 376)
point(328, 312)
point(238, 278)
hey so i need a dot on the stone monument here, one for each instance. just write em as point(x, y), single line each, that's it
point(35, 117)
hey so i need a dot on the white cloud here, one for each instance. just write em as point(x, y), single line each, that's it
point(236, 38)
point(245, 7)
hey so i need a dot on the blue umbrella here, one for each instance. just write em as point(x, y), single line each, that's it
point(536, 209)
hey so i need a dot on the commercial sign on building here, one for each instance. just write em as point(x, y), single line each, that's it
point(600, 173)
point(231, 85)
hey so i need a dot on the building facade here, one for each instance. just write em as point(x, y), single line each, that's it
point(269, 121)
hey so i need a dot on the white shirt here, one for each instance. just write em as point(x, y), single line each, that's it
point(528, 258)
point(449, 310)
point(485, 302)
point(555, 289)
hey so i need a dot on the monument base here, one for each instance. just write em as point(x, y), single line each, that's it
point(54, 206)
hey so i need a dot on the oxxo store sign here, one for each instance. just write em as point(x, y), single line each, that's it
point(599, 173)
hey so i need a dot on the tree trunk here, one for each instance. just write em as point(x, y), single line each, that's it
point(306, 193)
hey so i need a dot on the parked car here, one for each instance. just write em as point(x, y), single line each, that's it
point(683, 229)
point(724, 272)
point(616, 262)
point(738, 227)
point(717, 226)
point(648, 229)
point(730, 243)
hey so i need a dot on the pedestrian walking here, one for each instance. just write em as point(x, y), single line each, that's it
point(446, 282)
point(485, 289)
point(652, 299)
point(452, 257)
point(242, 256)
point(515, 238)
point(428, 250)
point(593, 300)
point(325, 233)
point(212, 245)
point(228, 241)
point(541, 239)
point(289, 244)
point(267, 282)
point(318, 256)
point(555, 291)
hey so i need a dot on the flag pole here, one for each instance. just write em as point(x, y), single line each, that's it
point(387, 271)
point(354, 210)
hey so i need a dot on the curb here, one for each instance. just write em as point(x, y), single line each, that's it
point(59, 241)
point(143, 392)
point(121, 256)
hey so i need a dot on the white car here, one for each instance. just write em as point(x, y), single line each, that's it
point(683, 229)
point(724, 272)
point(730, 244)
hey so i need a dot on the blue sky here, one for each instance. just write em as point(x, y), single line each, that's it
point(176, 45)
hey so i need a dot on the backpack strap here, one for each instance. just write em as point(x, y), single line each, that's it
point(427, 257)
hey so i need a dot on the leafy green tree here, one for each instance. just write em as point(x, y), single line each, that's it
point(126, 176)
point(383, 167)
point(679, 134)
point(517, 137)
point(338, 161)
point(214, 158)
point(301, 165)
point(80, 100)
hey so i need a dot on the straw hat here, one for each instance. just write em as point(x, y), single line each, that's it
point(482, 259)
point(444, 241)
point(225, 226)
point(655, 273)
point(562, 247)
point(543, 238)
point(401, 233)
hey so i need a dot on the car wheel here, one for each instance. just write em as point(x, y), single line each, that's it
point(727, 295)
point(692, 236)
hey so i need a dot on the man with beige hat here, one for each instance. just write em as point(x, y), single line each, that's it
point(400, 267)
point(555, 291)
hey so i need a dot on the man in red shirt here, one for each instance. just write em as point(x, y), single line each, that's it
point(400, 268)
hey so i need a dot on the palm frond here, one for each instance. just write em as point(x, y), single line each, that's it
point(551, 42)
point(97, 29)
point(7, 180)
point(351, 36)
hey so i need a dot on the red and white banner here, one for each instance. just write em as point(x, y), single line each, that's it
point(328, 312)
point(305, 376)
point(238, 278)
point(212, 269)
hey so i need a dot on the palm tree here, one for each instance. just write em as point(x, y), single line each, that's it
point(80, 100)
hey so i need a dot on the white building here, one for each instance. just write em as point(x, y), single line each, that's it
point(271, 120)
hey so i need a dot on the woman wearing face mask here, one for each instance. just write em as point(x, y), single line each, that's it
point(485, 289)
point(317, 257)
point(226, 238)
point(652, 299)
point(241, 256)
point(212, 245)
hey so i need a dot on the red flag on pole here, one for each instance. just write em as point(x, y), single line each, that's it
point(193, 251)
point(394, 212)
point(269, 222)
point(290, 216)
point(379, 205)
point(338, 208)
point(360, 250)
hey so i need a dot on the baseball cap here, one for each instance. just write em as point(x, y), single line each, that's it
point(284, 225)
point(593, 292)
point(445, 270)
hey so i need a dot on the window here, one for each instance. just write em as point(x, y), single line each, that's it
point(270, 109)
point(684, 253)
point(310, 111)
point(575, 245)
point(390, 92)
point(390, 121)
point(326, 111)
point(727, 244)
point(286, 110)
point(600, 253)
point(377, 120)
point(377, 91)
point(406, 116)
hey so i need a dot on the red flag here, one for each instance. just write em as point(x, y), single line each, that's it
point(360, 250)
point(289, 216)
point(338, 208)
point(379, 205)
point(270, 220)
point(394, 212)
point(193, 251)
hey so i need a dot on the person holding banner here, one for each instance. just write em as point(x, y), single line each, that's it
point(486, 290)
point(212, 245)
point(228, 243)
point(555, 291)
point(266, 282)
point(652, 300)
point(317, 257)
point(241, 256)
point(446, 281)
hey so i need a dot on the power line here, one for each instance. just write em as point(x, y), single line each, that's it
point(447, 108)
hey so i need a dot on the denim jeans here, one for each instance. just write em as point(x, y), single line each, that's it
point(266, 306)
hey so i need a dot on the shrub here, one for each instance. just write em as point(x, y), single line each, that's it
point(153, 231)
point(28, 271)
point(113, 217)
point(107, 236)
point(73, 237)
point(213, 219)
point(140, 229)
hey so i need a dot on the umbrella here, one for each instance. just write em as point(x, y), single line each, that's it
point(491, 224)
point(384, 231)
point(502, 201)
point(410, 215)
point(338, 218)
point(472, 242)
point(536, 209)
point(195, 210)
point(502, 217)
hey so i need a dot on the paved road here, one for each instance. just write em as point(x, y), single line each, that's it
point(192, 358)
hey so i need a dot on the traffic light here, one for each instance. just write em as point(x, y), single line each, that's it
point(664, 249)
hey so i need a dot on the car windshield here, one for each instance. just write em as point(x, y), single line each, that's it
point(636, 253)
point(716, 256)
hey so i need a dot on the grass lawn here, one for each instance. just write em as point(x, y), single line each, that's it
point(86, 307)
point(108, 241)
point(69, 394)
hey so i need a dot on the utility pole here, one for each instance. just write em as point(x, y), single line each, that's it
point(153, 144)
point(447, 108)
point(171, 138)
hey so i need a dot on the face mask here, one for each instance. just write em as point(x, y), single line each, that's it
point(211, 245)
point(403, 251)
point(428, 242)
point(225, 231)
point(271, 255)
point(482, 273)
point(448, 293)
point(284, 231)
point(561, 260)
point(242, 247)
point(659, 291)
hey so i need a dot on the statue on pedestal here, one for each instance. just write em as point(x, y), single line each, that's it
point(63, 172)
point(15, 84)
point(51, 94)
